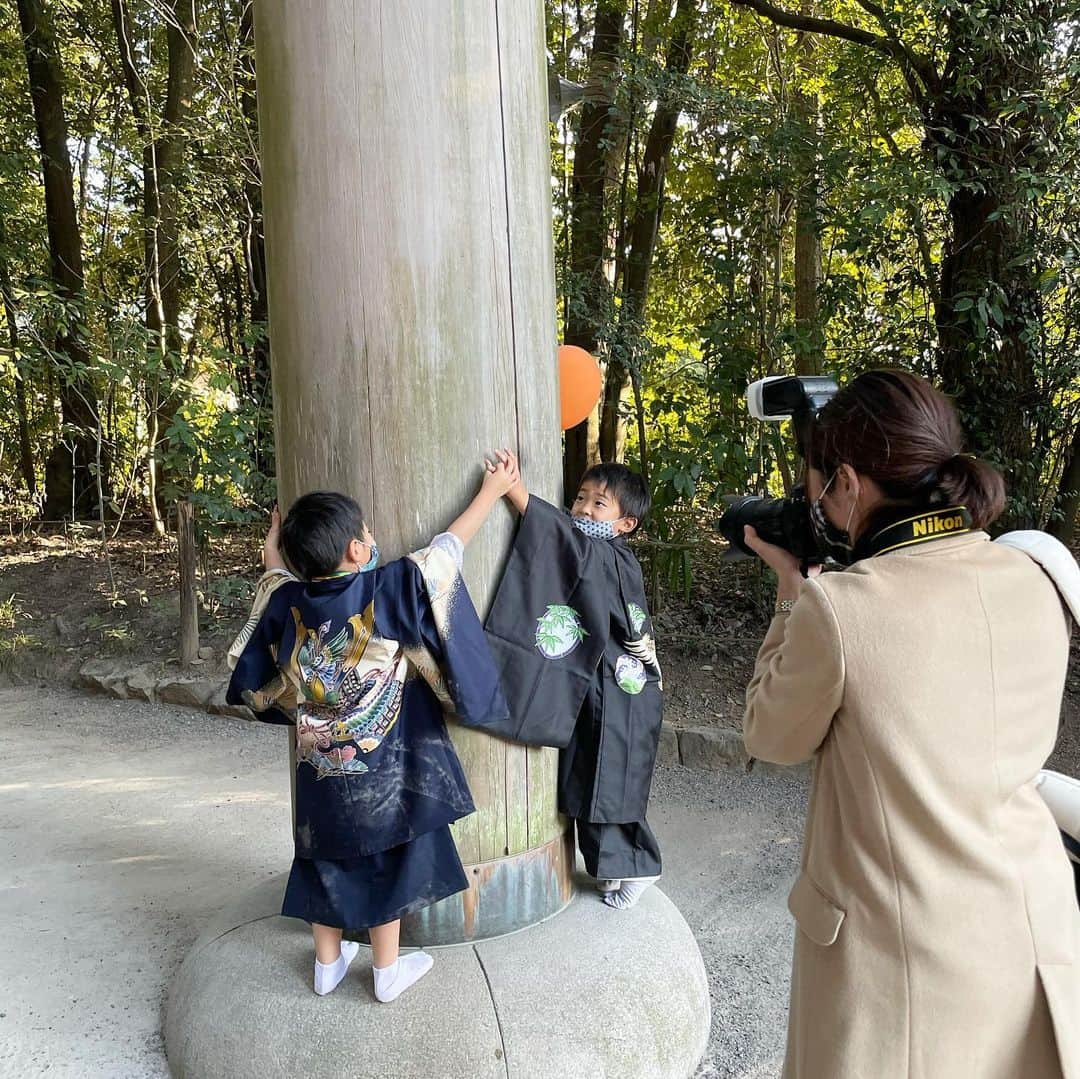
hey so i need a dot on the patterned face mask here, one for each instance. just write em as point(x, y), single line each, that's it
point(603, 530)
point(832, 542)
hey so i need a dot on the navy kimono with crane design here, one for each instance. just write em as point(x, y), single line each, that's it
point(365, 665)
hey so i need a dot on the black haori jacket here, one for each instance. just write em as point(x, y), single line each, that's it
point(571, 636)
point(366, 665)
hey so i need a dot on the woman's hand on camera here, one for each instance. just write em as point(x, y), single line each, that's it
point(784, 564)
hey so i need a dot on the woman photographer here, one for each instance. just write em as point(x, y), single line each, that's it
point(938, 935)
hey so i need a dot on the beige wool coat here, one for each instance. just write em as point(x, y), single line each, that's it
point(938, 933)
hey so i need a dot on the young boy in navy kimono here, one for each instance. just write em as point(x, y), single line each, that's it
point(354, 654)
point(571, 634)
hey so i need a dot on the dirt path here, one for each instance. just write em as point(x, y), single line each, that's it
point(127, 825)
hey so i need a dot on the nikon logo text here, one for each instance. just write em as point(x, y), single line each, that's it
point(930, 526)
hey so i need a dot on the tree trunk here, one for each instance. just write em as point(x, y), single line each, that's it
point(69, 480)
point(645, 225)
point(809, 333)
point(7, 297)
point(164, 326)
point(988, 310)
point(986, 293)
point(254, 244)
point(589, 293)
point(1067, 503)
point(163, 151)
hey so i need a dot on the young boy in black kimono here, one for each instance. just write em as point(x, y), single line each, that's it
point(571, 634)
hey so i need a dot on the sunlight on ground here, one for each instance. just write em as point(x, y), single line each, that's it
point(263, 798)
point(109, 784)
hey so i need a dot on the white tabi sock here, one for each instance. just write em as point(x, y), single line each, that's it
point(392, 981)
point(630, 892)
point(605, 887)
point(329, 975)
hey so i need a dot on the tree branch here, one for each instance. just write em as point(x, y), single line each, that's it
point(136, 88)
point(879, 13)
point(889, 44)
point(811, 24)
point(911, 63)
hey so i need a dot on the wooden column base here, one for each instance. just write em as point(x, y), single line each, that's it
point(503, 896)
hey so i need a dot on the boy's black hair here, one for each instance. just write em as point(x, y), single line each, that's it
point(625, 486)
point(317, 531)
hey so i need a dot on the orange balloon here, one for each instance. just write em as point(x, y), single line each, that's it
point(580, 384)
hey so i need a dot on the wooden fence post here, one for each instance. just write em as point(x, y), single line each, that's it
point(189, 597)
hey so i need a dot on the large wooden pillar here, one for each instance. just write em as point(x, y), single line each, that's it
point(408, 226)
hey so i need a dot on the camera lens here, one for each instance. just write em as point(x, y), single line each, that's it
point(784, 522)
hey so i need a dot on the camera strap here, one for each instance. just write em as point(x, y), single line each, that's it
point(922, 528)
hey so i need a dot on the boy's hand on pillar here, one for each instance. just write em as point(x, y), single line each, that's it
point(519, 493)
point(271, 552)
point(502, 474)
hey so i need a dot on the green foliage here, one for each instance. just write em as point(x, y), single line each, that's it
point(229, 595)
point(209, 461)
point(889, 170)
point(776, 133)
point(210, 401)
point(9, 612)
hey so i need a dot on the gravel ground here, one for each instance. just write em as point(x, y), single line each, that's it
point(731, 849)
point(126, 825)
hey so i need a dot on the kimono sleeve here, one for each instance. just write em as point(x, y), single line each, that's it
point(267, 585)
point(424, 603)
point(632, 620)
point(798, 682)
point(256, 680)
point(549, 624)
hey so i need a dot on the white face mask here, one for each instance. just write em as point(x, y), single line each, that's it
point(604, 530)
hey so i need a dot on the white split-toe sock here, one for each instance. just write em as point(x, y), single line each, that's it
point(392, 981)
point(631, 891)
point(606, 887)
point(328, 975)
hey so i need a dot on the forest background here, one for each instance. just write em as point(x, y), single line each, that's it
point(744, 188)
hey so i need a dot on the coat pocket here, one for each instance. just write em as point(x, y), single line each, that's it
point(814, 912)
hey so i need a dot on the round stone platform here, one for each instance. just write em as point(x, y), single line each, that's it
point(591, 992)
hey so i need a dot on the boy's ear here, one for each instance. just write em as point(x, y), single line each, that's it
point(355, 551)
point(626, 525)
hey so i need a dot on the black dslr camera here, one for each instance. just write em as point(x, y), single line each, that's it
point(781, 521)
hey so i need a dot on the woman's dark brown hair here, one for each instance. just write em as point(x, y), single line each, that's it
point(897, 429)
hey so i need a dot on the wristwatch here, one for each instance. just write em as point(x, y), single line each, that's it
point(783, 606)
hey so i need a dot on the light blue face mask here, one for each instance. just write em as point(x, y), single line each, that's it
point(603, 530)
point(372, 562)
